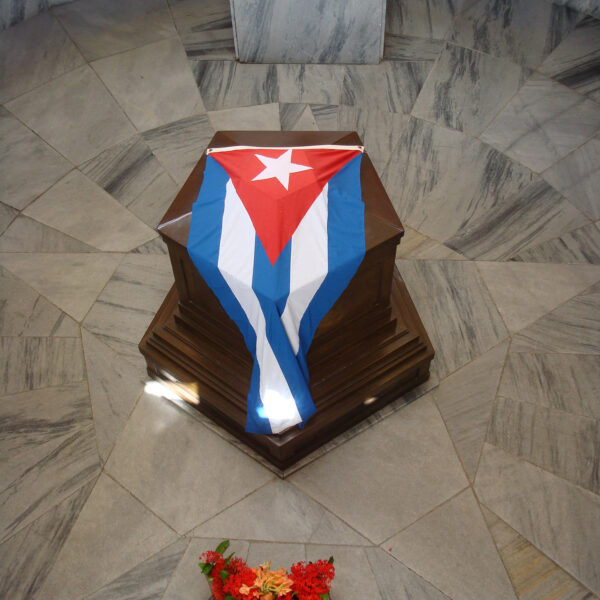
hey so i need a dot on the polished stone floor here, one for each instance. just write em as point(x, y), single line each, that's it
point(484, 123)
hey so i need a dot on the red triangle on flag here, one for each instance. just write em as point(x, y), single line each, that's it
point(279, 185)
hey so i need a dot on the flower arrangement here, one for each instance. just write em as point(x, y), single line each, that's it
point(231, 578)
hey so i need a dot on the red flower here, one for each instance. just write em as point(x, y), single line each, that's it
point(242, 576)
point(312, 580)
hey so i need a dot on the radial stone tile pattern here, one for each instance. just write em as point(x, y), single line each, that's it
point(483, 122)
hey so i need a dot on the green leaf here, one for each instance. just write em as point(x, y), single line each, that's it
point(229, 597)
point(222, 547)
point(207, 568)
point(330, 561)
point(325, 596)
point(224, 574)
point(229, 557)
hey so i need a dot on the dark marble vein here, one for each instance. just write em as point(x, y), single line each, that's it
point(573, 328)
point(579, 246)
point(566, 445)
point(576, 61)
point(407, 47)
point(533, 215)
point(466, 89)
point(227, 84)
point(27, 558)
point(428, 19)
point(148, 580)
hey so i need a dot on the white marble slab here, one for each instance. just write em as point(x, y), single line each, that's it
point(285, 31)
point(407, 47)
point(297, 117)
point(543, 123)
point(253, 118)
point(104, 27)
point(428, 19)
point(317, 84)
point(153, 84)
point(559, 518)
point(71, 281)
point(84, 119)
point(33, 53)
point(28, 166)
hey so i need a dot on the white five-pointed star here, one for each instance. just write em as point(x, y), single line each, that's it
point(279, 168)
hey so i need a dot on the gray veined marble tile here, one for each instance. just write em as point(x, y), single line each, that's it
point(577, 176)
point(465, 400)
point(261, 117)
point(403, 474)
point(353, 575)
point(7, 214)
point(114, 387)
point(378, 129)
point(281, 556)
point(71, 281)
point(13, 12)
point(227, 84)
point(573, 328)
point(589, 7)
point(407, 47)
point(285, 31)
point(45, 472)
point(84, 119)
point(326, 116)
point(28, 166)
point(567, 382)
point(104, 27)
point(179, 145)
point(129, 302)
point(578, 246)
point(533, 575)
point(37, 362)
point(188, 582)
point(78, 207)
point(543, 123)
point(576, 61)
point(566, 445)
point(389, 86)
point(155, 246)
point(524, 292)
point(456, 309)
point(131, 174)
point(429, 19)
point(452, 548)
point(280, 513)
point(33, 53)
point(318, 84)
point(27, 235)
point(398, 582)
point(433, 189)
point(146, 581)
point(204, 28)
point(113, 534)
point(23, 312)
point(153, 84)
point(416, 245)
point(556, 516)
point(296, 117)
point(504, 29)
point(466, 89)
point(27, 557)
point(158, 452)
point(535, 214)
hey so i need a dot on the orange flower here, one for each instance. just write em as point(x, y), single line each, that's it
point(272, 584)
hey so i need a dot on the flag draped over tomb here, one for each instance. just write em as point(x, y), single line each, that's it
point(278, 233)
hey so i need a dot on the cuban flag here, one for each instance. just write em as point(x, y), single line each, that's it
point(278, 233)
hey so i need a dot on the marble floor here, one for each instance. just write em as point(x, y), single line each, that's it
point(484, 124)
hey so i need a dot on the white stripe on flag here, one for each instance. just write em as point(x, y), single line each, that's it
point(238, 236)
point(308, 266)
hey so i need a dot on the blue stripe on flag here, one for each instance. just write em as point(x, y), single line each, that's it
point(346, 242)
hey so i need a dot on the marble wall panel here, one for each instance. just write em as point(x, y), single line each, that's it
point(558, 517)
point(429, 19)
point(285, 31)
point(543, 123)
point(504, 29)
point(405, 47)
